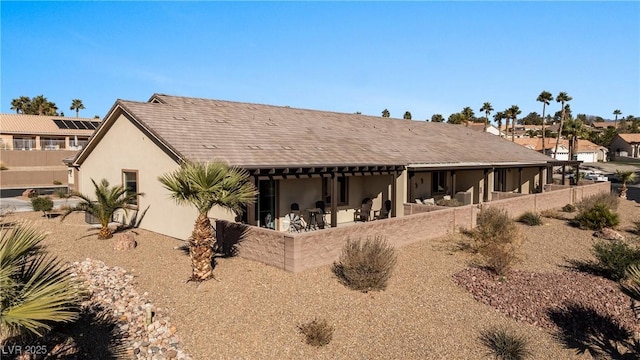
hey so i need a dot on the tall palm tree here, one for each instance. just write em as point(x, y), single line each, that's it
point(20, 104)
point(108, 199)
point(625, 177)
point(545, 98)
point(513, 113)
point(407, 115)
point(616, 112)
point(486, 107)
point(574, 129)
point(467, 115)
point(77, 105)
point(205, 185)
point(36, 290)
point(386, 113)
point(562, 98)
point(498, 117)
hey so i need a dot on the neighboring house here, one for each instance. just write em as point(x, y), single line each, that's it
point(43, 132)
point(23, 136)
point(626, 145)
point(587, 151)
point(491, 129)
point(524, 131)
point(299, 156)
point(600, 126)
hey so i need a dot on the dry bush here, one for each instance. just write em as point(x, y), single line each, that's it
point(505, 344)
point(531, 218)
point(318, 332)
point(365, 265)
point(497, 239)
point(610, 200)
point(552, 214)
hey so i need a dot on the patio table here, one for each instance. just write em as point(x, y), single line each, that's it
point(313, 217)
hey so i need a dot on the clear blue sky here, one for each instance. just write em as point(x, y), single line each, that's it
point(425, 57)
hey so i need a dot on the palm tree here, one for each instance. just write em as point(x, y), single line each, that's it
point(562, 98)
point(625, 177)
point(486, 107)
point(574, 129)
point(205, 185)
point(498, 117)
point(20, 104)
point(108, 200)
point(407, 115)
point(76, 104)
point(386, 113)
point(437, 118)
point(36, 290)
point(616, 112)
point(467, 115)
point(512, 113)
point(545, 98)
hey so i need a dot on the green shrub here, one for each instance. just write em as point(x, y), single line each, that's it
point(505, 345)
point(497, 239)
point(449, 202)
point(317, 332)
point(569, 208)
point(365, 265)
point(614, 257)
point(610, 200)
point(597, 218)
point(62, 193)
point(43, 204)
point(531, 218)
point(57, 182)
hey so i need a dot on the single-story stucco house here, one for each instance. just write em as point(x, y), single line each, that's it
point(298, 156)
point(626, 145)
point(587, 151)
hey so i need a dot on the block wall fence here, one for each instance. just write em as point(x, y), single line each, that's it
point(297, 252)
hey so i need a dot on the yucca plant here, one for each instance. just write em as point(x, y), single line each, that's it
point(108, 200)
point(36, 290)
point(505, 344)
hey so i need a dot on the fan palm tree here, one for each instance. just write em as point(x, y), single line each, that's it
point(77, 105)
point(486, 107)
point(36, 290)
point(562, 98)
point(625, 177)
point(205, 185)
point(545, 98)
point(407, 115)
point(498, 117)
point(386, 113)
point(108, 200)
point(512, 113)
point(616, 112)
point(20, 104)
point(574, 129)
point(467, 115)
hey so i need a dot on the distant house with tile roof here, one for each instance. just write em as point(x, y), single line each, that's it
point(491, 129)
point(299, 156)
point(587, 151)
point(626, 145)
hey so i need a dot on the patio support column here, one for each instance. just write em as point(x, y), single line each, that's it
point(485, 188)
point(394, 192)
point(519, 180)
point(453, 184)
point(251, 208)
point(334, 200)
point(564, 173)
point(541, 179)
point(410, 186)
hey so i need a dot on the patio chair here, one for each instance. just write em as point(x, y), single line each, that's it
point(384, 212)
point(364, 213)
point(323, 214)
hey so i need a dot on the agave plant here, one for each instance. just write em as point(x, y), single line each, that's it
point(36, 290)
point(108, 200)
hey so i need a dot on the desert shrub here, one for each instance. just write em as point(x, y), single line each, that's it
point(530, 218)
point(610, 200)
point(62, 193)
point(318, 332)
point(41, 203)
point(569, 208)
point(496, 239)
point(448, 202)
point(505, 344)
point(365, 265)
point(614, 257)
point(596, 218)
point(57, 182)
point(636, 227)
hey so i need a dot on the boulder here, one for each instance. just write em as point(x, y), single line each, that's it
point(29, 193)
point(608, 234)
point(124, 241)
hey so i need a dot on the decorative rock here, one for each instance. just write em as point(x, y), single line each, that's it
point(124, 241)
point(30, 193)
point(608, 234)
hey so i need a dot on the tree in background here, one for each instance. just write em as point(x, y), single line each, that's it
point(545, 98)
point(386, 113)
point(616, 112)
point(574, 130)
point(487, 108)
point(498, 117)
point(467, 115)
point(456, 119)
point(21, 104)
point(437, 118)
point(77, 105)
point(532, 118)
point(38, 105)
point(562, 98)
point(407, 115)
point(513, 113)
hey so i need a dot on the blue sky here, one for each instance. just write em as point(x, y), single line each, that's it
point(424, 57)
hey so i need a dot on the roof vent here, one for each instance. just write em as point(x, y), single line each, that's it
point(180, 118)
point(210, 147)
point(254, 147)
point(287, 147)
point(320, 148)
point(221, 121)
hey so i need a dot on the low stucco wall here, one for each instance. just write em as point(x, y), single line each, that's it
point(296, 252)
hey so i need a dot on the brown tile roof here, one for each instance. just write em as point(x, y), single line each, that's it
point(630, 138)
point(39, 125)
point(550, 143)
point(603, 124)
point(253, 135)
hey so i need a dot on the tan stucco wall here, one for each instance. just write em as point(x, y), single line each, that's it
point(126, 147)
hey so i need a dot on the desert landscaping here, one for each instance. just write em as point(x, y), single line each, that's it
point(435, 306)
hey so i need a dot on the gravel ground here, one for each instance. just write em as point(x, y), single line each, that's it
point(251, 311)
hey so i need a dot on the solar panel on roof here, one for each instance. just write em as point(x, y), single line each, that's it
point(60, 124)
point(95, 124)
point(80, 124)
point(69, 124)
